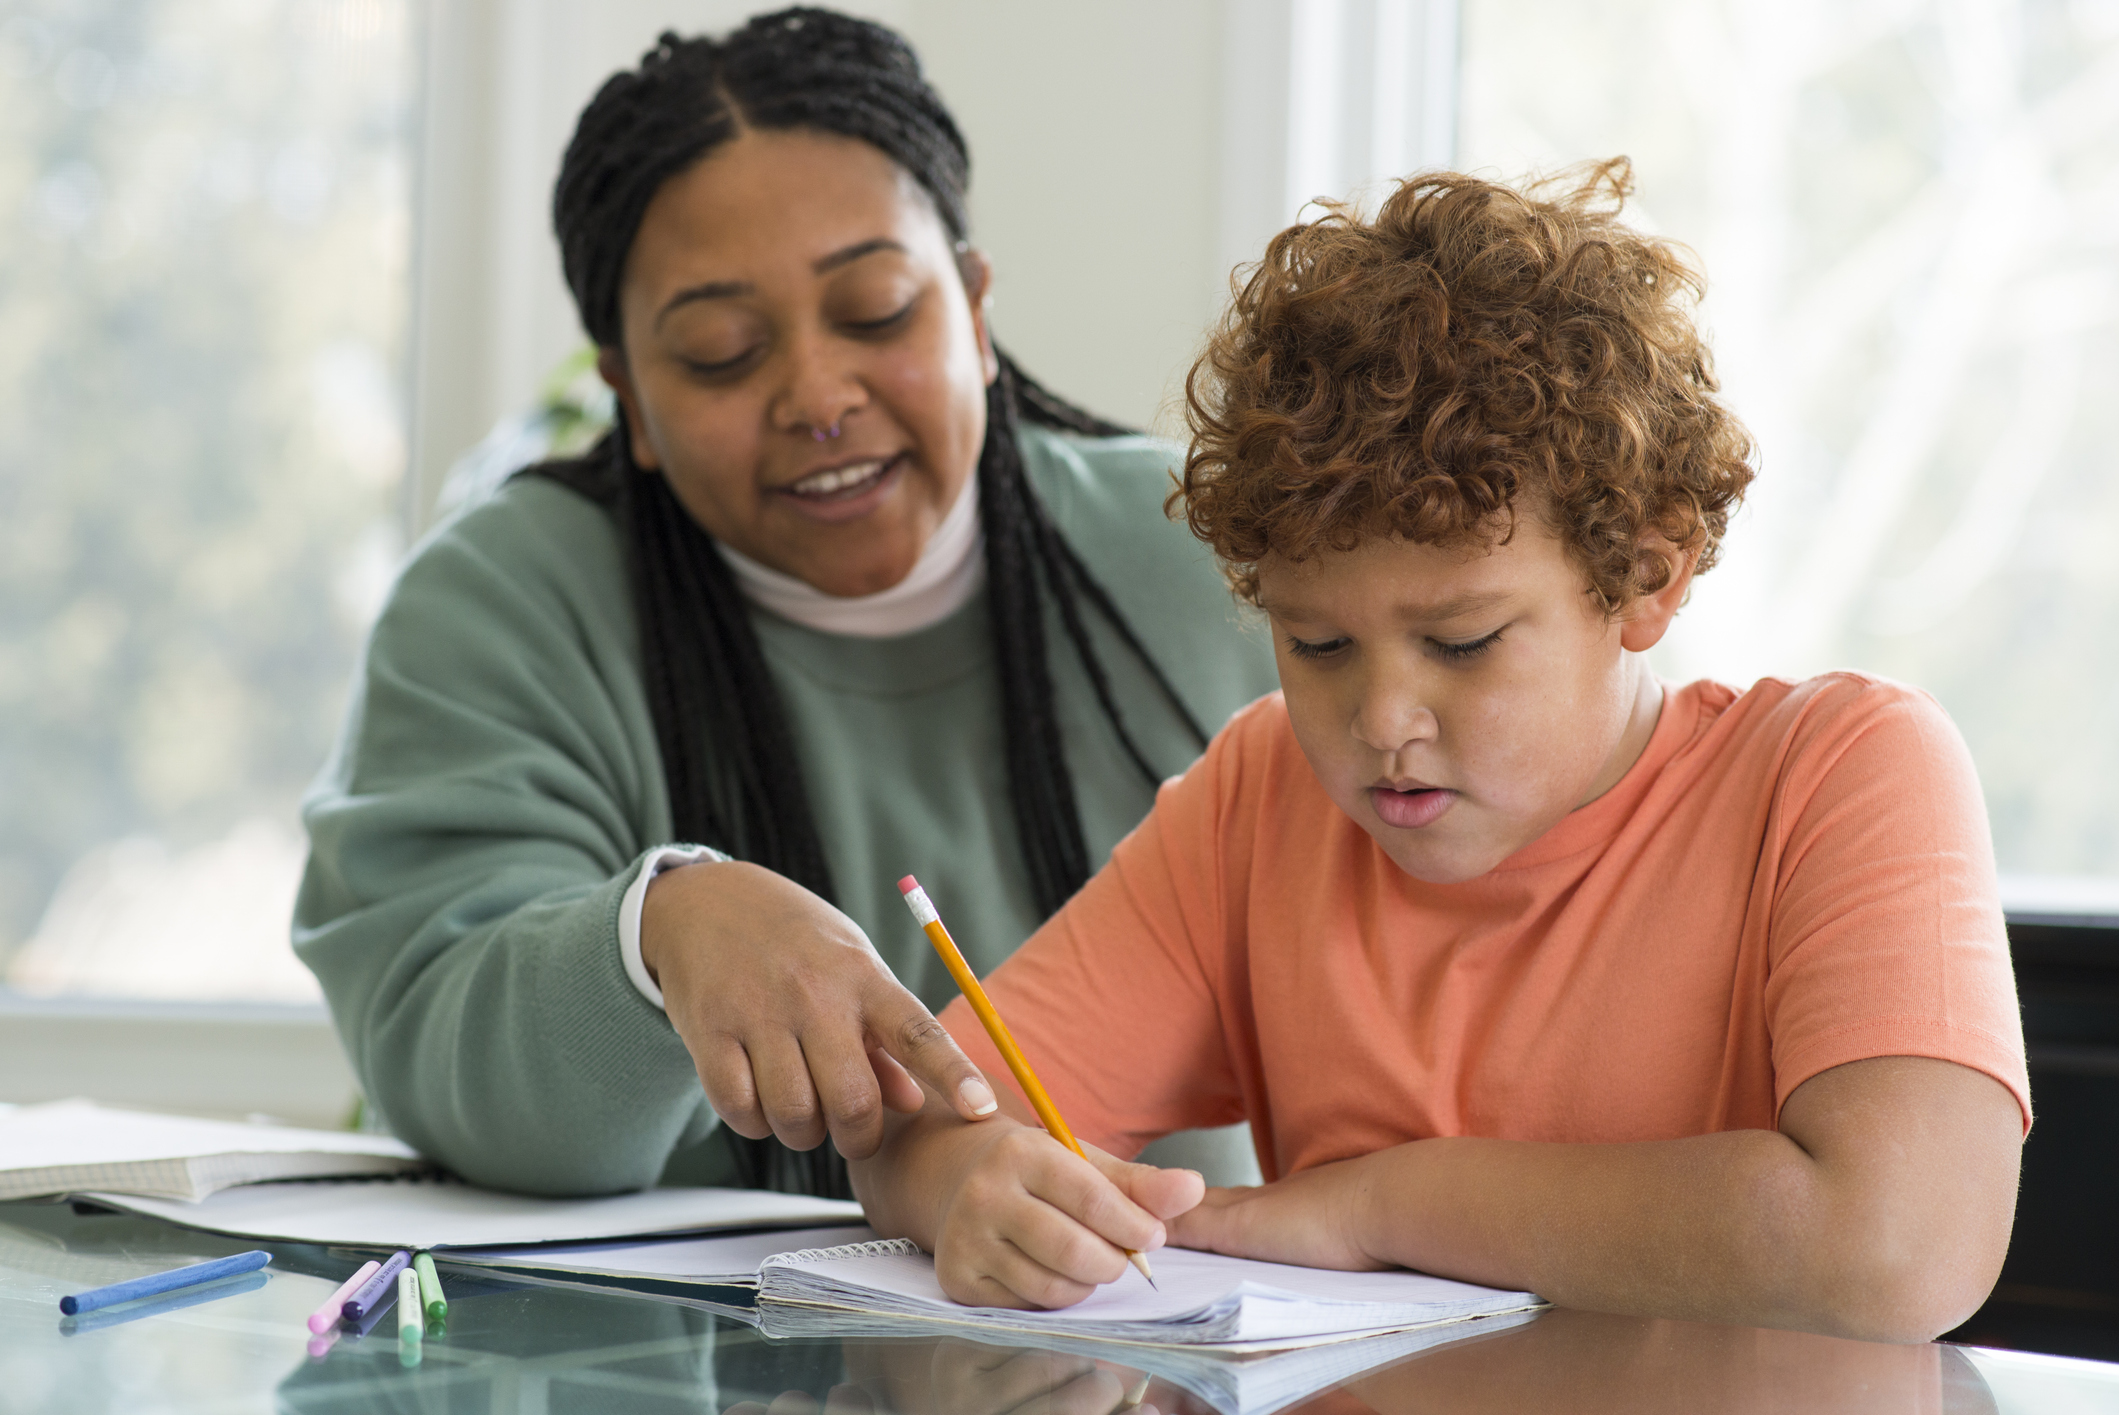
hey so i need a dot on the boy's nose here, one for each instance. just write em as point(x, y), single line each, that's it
point(1393, 715)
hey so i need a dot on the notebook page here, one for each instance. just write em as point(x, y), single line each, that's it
point(1198, 1297)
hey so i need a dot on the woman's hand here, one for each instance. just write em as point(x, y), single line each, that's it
point(1013, 1217)
point(798, 1029)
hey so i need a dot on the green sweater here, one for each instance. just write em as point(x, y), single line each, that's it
point(497, 785)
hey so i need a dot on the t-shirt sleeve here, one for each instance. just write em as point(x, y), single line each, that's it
point(1117, 1000)
point(1888, 937)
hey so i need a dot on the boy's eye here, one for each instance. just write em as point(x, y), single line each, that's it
point(1458, 653)
point(1322, 648)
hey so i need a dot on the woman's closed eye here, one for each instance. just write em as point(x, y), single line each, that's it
point(885, 324)
point(712, 368)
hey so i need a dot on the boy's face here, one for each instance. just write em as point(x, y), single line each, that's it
point(1456, 703)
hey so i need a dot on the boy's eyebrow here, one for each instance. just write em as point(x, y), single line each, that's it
point(1458, 605)
point(734, 289)
point(1452, 608)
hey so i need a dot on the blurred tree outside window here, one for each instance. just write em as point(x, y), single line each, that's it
point(203, 313)
point(1908, 211)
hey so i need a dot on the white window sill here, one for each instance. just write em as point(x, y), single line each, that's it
point(232, 1059)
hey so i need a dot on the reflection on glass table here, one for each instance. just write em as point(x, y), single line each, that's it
point(548, 1351)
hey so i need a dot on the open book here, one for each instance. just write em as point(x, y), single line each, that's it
point(889, 1288)
point(66, 1147)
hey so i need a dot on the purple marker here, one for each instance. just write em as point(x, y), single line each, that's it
point(375, 1289)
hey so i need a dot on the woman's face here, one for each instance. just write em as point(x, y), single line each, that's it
point(805, 358)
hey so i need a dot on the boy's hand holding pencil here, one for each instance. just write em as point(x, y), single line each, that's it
point(1028, 1216)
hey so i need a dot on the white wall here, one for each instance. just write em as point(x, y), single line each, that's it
point(1124, 154)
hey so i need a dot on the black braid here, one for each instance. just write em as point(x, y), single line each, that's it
point(728, 754)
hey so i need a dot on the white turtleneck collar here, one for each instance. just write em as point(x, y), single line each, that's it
point(949, 572)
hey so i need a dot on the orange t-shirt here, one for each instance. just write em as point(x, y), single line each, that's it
point(1785, 881)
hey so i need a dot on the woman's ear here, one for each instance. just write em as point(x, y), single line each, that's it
point(1643, 623)
point(977, 269)
point(610, 365)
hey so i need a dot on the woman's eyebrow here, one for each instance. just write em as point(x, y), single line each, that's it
point(712, 290)
point(732, 289)
point(854, 252)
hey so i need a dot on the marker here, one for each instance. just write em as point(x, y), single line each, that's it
point(161, 1306)
point(326, 1317)
point(373, 1293)
point(410, 1320)
point(170, 1281)
point(430, 1294)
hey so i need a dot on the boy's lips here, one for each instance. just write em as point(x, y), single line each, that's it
point(1410, 810)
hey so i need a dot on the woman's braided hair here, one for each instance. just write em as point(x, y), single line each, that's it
point(728, 752)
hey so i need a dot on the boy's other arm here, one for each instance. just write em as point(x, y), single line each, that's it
point(1880, 1209)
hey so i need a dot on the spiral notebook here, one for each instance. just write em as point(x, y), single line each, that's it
point(889, 1288)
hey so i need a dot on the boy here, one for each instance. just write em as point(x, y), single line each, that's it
point(1524, 967)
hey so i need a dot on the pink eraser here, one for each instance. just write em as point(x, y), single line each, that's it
point(907, 885)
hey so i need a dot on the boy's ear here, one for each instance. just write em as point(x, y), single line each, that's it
point(610, 365)
point(1643, 623)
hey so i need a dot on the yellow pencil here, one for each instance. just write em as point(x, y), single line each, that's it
point(923, 909)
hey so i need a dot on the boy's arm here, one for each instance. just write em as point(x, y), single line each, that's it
point(1880, 1209)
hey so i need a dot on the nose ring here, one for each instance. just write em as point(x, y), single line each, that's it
point(819, 434)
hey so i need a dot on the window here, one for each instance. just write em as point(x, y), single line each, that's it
point(1909, 218)
point(203, 308)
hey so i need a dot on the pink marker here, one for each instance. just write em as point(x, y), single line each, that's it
point(324, 1318)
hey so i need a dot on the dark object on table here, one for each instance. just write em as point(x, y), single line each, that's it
point(2059, 1289)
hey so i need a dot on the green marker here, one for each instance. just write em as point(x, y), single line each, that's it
point(430, 1289)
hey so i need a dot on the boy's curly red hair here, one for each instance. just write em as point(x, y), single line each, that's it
point(1419, 373)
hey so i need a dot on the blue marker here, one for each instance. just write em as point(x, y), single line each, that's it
point(163, 1282)
point(377, 1290)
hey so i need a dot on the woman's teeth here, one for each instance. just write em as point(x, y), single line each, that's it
point(837, 479)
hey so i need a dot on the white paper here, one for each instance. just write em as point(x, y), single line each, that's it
point(446, 1214)
point(1198, 1298)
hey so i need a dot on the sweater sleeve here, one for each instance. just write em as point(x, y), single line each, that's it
point(494, 792)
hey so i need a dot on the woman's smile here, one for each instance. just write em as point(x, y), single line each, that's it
point(845, 492)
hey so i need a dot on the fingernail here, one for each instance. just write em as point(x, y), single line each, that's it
point(978, 1095)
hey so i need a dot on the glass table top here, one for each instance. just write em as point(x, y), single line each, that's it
point(243, 1345)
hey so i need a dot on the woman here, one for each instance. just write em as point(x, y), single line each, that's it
point(842, 596)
